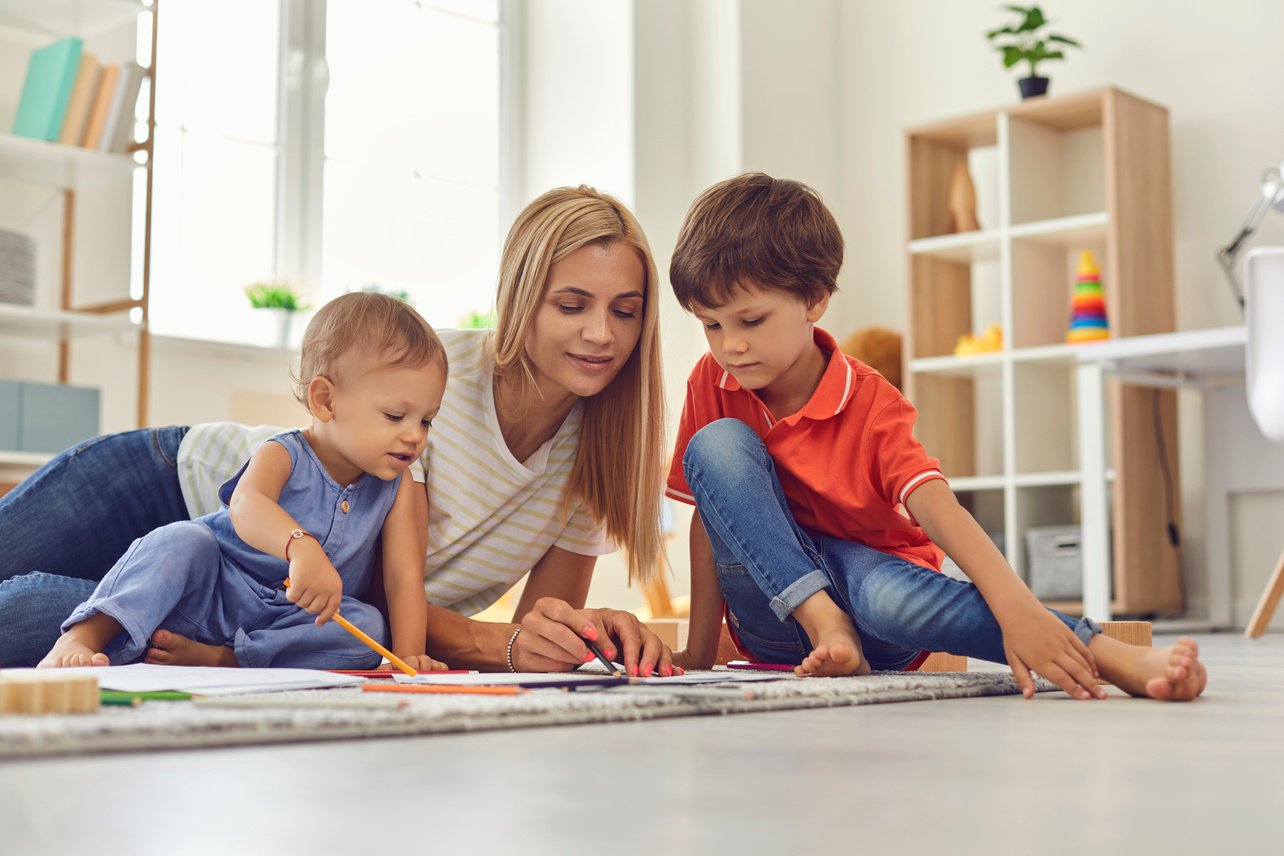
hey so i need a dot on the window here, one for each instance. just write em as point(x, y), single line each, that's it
point(332, 145)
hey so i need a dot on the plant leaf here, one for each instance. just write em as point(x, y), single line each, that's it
point(1065, 41)
point(1012, 55)
point(1034, 18)
point(1001, 31)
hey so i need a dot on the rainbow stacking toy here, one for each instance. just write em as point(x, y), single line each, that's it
point(1088, 313)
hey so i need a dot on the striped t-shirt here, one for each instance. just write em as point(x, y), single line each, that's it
point(490, 516)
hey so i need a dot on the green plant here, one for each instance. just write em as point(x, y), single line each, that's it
point(401, 294)
point(273, 295)
point(477, 320)
point(1025, 43)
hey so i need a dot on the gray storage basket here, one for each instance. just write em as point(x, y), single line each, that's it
point(17, 268)
point(1054, 561)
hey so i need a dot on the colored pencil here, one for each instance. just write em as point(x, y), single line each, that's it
point(135, 699)
point(391, 657)
point(355, 631)
point(601, 658)
point(441, 688)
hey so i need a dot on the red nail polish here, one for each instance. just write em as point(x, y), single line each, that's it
point(646, 670)
point(588, 656)
point(610, 653)
point(633, 671)
point(590, 633)
point(667, 672)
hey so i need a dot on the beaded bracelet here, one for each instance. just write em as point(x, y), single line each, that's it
point(509, 653)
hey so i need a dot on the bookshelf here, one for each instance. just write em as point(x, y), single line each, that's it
point(1088, 170)
point(79, 205)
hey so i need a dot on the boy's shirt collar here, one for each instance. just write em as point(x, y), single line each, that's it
point(831, 395)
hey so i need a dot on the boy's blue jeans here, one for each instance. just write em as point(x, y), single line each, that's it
point(767, 565)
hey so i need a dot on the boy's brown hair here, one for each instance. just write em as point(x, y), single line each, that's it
point(773, 232)
point(369, 321)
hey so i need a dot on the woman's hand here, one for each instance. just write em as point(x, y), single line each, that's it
point(1035, 639)
point(553, 634)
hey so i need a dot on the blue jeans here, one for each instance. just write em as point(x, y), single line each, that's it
point(767, 565)
point(70, 521)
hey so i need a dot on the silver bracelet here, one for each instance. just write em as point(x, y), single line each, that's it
point(509, 653)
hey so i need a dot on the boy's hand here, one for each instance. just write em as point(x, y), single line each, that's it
point(315, 585)
point(418, 662)
point(1035, 639)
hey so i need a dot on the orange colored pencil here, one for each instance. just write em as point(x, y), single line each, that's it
point(392, 658)
point(375, 646)
point(441, 688)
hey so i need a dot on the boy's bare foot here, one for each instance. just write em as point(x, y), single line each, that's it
point(1167, 674)
point(836, 648)
point(171, 649)
point(82, 645)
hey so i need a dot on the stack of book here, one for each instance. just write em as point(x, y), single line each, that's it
point(69, 97)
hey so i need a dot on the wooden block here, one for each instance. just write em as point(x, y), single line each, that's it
point(672, 631)
point(941, 662)
point(29, 692)
point(1131, 632)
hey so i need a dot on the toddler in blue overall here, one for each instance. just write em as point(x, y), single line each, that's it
point(312, 505)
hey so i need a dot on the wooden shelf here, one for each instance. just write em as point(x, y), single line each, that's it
point(964, 247)
point(42, 323)
point(53, 19)
point(57, 165)
point(1089, 170)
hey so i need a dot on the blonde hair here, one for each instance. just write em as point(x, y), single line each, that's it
point(376, 323)
point(618, 468)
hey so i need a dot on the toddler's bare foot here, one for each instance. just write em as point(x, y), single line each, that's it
point(1167, 674)
point(71, 651)
point(837, 653)
point(83, 643)
point(171, 649)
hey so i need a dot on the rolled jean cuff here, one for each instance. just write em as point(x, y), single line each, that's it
point(799, 590)
point(1086, 629)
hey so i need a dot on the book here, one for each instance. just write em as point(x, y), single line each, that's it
point(51, 74)
point(81, 101)
point(119, 129)
point(102, 105)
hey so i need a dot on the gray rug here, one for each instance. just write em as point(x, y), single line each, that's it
point(324, 714)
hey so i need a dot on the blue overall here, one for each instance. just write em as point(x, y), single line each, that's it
point(199, 579)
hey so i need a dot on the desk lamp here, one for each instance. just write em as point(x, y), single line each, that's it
point(1270, 196)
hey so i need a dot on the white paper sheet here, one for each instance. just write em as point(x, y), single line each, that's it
point(206, 680)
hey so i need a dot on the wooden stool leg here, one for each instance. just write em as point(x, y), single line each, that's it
point(1270, 600)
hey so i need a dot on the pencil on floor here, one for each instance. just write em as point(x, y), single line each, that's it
point(441, 688)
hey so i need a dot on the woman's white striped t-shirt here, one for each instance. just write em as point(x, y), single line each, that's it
point(490, 516)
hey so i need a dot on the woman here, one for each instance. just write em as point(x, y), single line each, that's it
point(547, 449)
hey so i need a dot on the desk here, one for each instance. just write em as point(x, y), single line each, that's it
point(1211, 362)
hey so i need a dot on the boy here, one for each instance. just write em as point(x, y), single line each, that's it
point(819, 514)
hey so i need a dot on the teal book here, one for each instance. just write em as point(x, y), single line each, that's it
point(47, 88)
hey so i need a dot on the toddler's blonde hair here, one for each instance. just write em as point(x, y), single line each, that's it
point(368, 321)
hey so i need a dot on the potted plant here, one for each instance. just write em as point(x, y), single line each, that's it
point(280, 300)
point(1022, 42)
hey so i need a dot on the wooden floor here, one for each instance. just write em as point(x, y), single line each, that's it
point(985, 776)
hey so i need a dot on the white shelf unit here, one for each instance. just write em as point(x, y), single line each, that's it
point(1083, 171)
point(79, 205)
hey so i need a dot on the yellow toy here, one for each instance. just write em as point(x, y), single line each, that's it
point(989, 341)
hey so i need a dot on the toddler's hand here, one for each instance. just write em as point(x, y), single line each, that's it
point(1035, 639)
point(314, 584)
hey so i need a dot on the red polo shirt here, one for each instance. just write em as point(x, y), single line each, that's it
point(847, 460)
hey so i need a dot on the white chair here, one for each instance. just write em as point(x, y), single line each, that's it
point(1264, 320)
